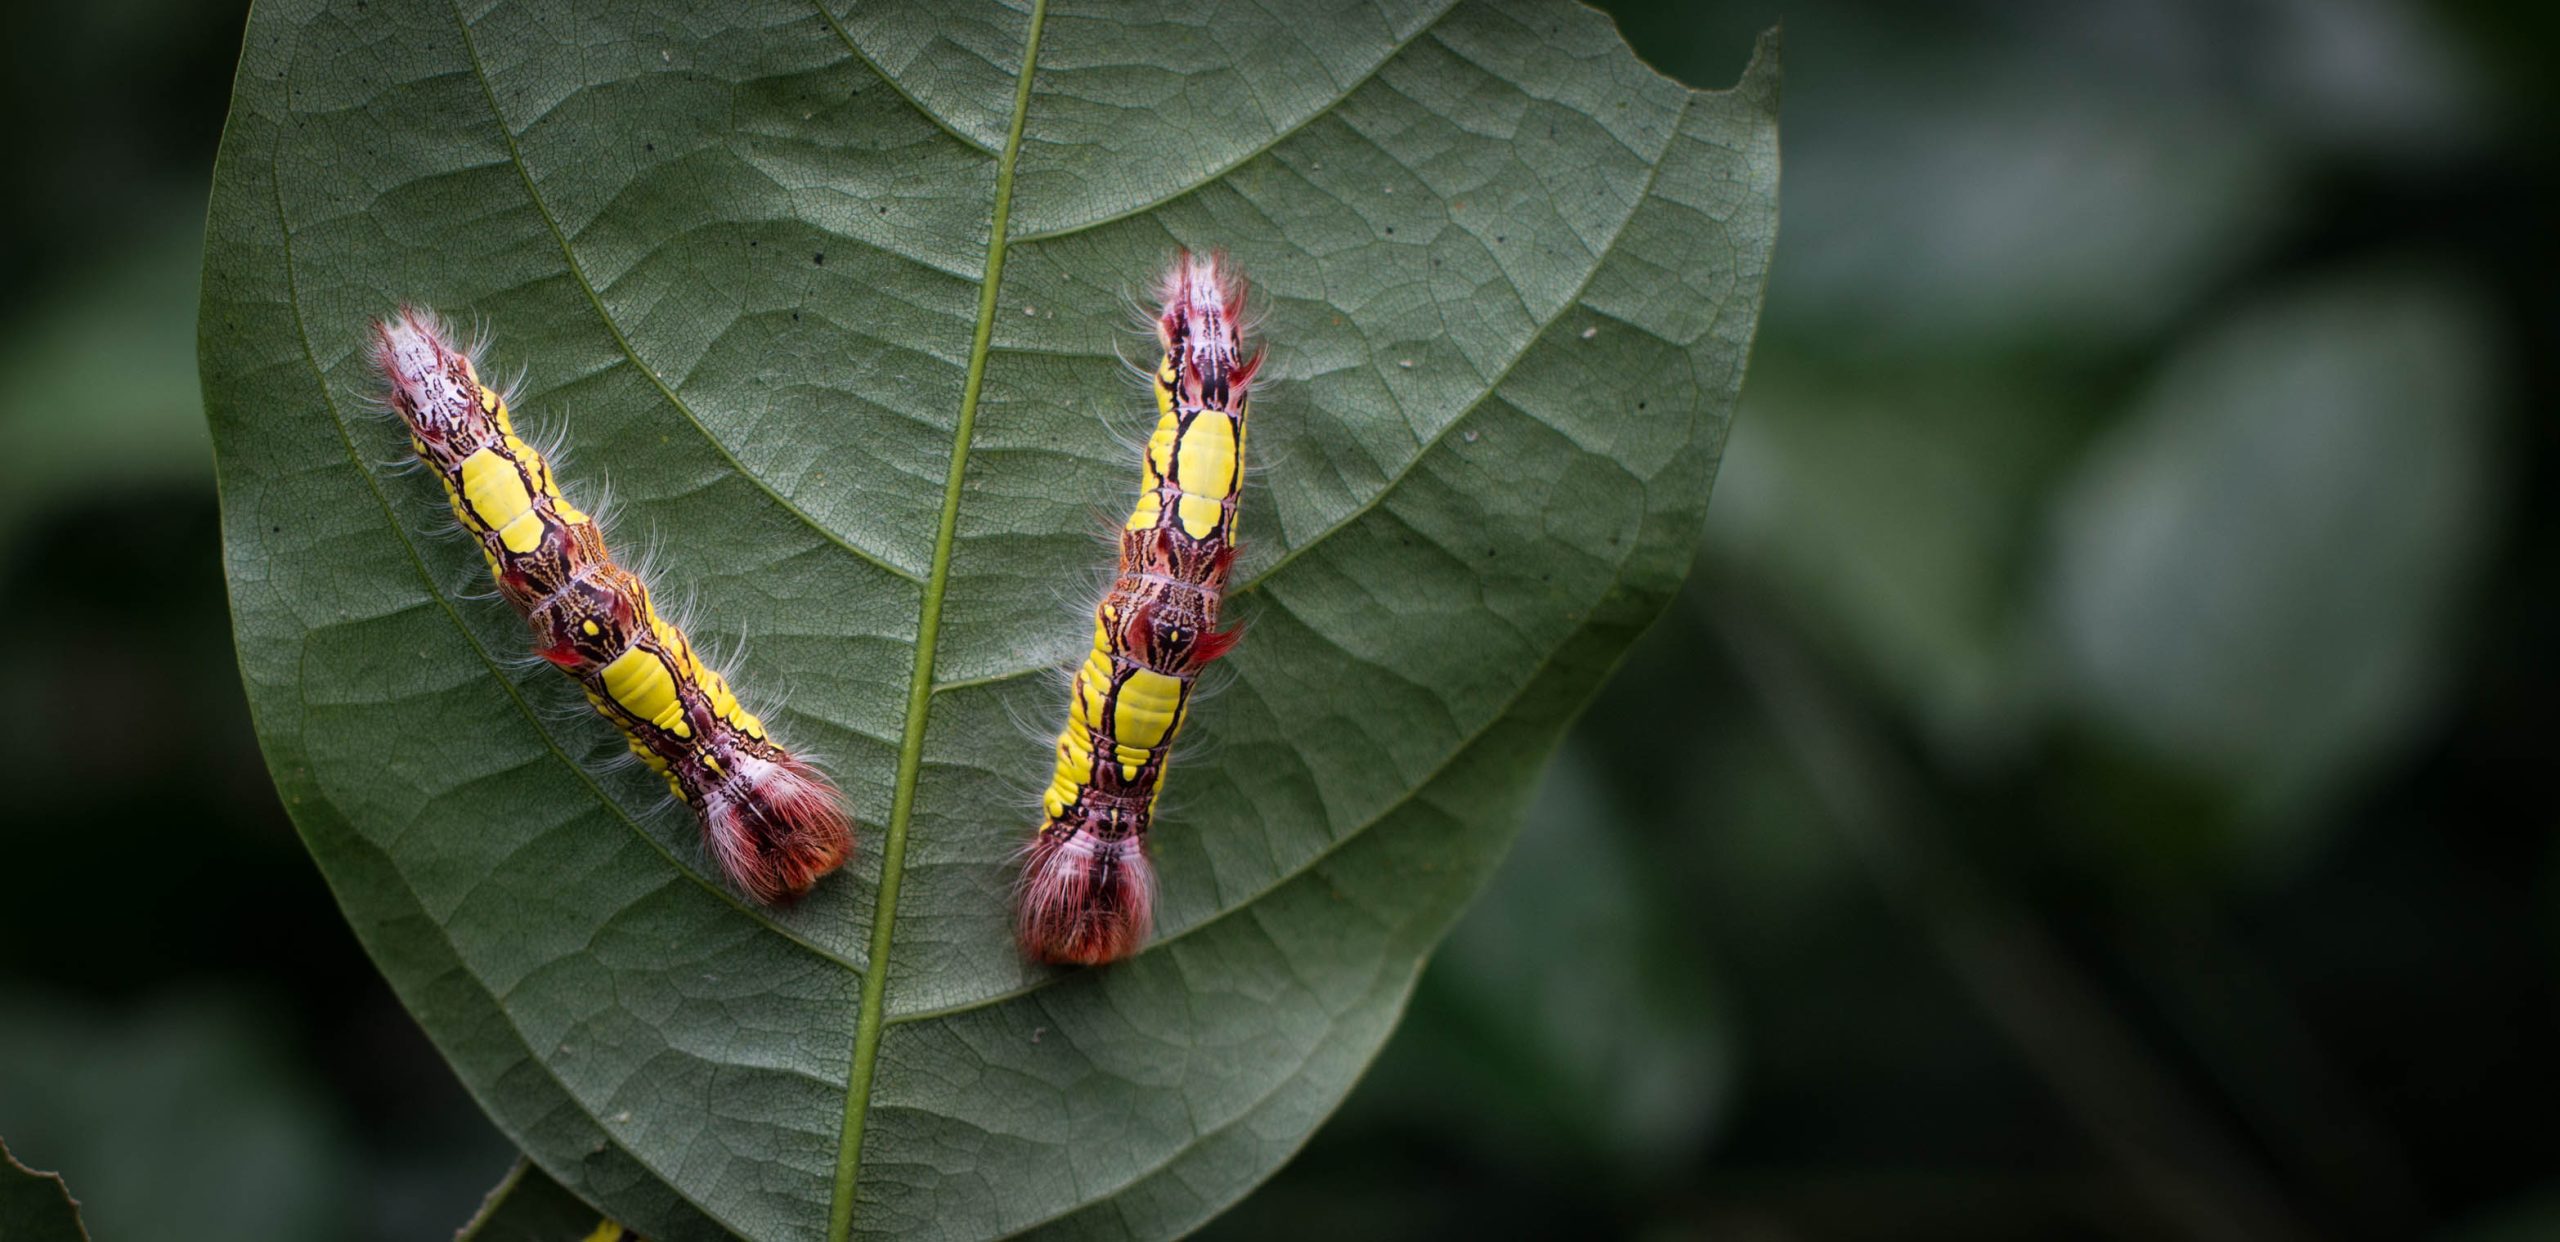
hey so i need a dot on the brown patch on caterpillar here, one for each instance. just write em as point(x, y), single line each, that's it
point(772, 823)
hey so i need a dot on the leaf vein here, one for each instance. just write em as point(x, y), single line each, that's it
point(1260, 149)
point(293, 298)
point(1493, 719)
point(497, 671)
point(1529, 345)
point(613, 327)
point(828, 16)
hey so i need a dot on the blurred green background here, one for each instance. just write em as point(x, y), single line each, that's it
point(2087, 790)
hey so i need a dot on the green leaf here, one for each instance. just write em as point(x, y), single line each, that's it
point(836, 299)
point(36, 1207)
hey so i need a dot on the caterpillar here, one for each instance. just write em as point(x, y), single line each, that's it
point(1087, 894)
point(772, 822)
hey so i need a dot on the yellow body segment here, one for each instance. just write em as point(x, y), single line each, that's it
point(539, 467)
point(1093, 688)
point(1206, 469)
point(638, 745)
point(1075, 759)
point(496, 499)
point(523, 534)
point(1154, 466)
point(714, 687)
point(643, 686)
point(1145, 713)
point(724, 704)
point(1142, 715)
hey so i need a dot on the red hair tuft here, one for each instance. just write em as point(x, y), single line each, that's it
point(1085, 902)
point(776, 828)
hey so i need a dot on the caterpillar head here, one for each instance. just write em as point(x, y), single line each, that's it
point(434, 386)
point(1202, 330)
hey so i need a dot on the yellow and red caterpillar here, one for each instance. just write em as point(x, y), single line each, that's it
point(772, 822)
point(1087, 894)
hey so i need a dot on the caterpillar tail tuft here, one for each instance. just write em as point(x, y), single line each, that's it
point(1087, 894)
point(773, 823)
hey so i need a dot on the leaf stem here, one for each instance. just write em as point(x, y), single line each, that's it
point(893, 847)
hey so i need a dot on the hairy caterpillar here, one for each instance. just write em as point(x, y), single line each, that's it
point(772, 822)
point(1087, 894)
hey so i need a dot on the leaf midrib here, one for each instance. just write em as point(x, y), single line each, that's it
point(893, 846)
